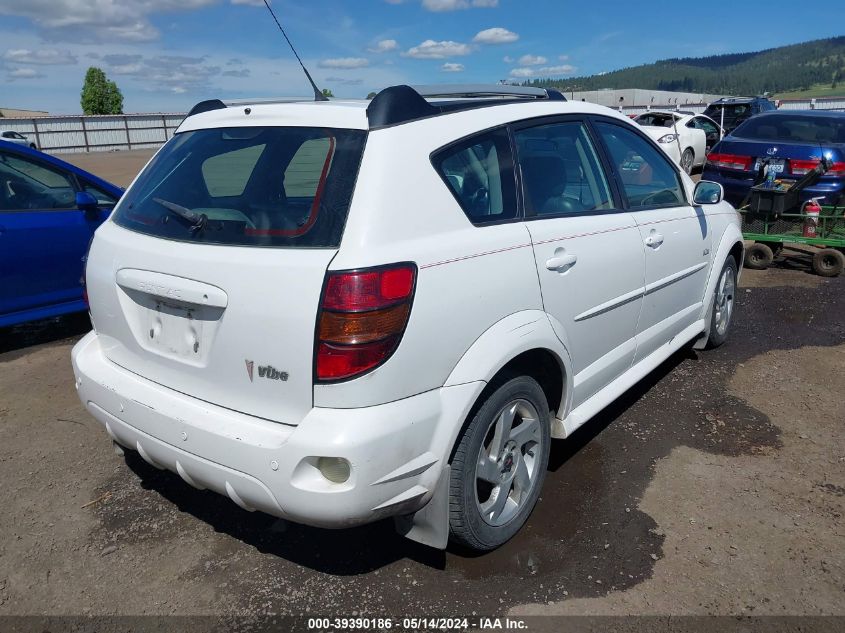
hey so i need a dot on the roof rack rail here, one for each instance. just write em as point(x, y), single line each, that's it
point(402, 104)
point(474, 91)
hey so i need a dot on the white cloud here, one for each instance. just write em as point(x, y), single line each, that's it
point(454, 5)
point(545, 71)
point(508, 59)
point(344, 62)
point(496, 35)
point(384, 46)
point(563, 58)
point(250, 3)
point(104, 20)
point(23, 73)
point(344, 81)
point(41, 56)
point(430, 49)
point(532, 60)
point(451, 67)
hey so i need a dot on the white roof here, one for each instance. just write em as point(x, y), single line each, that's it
point(352, 114)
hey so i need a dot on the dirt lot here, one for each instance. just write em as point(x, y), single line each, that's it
point(717, 486)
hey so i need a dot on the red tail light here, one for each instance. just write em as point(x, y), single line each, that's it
point(804, 167)
point(730, 161)
point(362, 318)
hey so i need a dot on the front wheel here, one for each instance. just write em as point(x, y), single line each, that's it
point(723, 305)
point(499, 465)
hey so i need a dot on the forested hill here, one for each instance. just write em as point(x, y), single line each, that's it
point(795, 67)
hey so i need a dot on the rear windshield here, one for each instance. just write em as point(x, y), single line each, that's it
point(250, 186)
point(795, 128)
point(731, 111)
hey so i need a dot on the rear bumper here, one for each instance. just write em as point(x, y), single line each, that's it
point(397, 450)
point(737, 187)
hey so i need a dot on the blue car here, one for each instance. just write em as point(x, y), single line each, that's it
point(793, 141)
point(49, 211)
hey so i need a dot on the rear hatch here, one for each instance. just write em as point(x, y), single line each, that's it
point(208, 278)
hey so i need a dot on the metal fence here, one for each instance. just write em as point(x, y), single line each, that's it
point(822, 103)
point(64, 134)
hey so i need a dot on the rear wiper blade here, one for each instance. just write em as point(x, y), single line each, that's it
point(197, 220)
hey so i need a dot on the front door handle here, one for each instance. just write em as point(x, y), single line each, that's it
point(654, 239)
point(561, 263)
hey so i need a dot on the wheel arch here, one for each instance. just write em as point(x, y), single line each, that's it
point(730, 245)
point(520, 344)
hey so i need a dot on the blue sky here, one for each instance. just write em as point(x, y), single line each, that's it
point(168, 54)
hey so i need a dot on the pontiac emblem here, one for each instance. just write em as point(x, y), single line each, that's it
point(249, 367)
point(772, 151)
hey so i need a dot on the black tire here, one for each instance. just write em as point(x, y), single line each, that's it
point(468, 526)
point(718, 335)
point(687, 159)
point(828, 262)
point(759, 256)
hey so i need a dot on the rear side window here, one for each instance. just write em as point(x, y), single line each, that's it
point(646, 175)
point(255, 186)
point(480, 174)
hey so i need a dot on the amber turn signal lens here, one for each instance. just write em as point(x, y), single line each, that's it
point(363, 327)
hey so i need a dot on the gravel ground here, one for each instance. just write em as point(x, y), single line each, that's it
point(716, 486)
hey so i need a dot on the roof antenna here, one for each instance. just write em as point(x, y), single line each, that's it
point(318, 95)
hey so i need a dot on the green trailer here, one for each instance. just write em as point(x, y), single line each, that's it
point(775, 218)
point(772, 232)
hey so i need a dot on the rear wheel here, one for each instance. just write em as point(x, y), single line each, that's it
point(723, 305)
point(828, 262)
point(759, 256)
point(687, 159)
point(499, 465)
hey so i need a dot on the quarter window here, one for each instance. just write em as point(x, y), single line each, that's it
point(479, 172)
point(646, 174)
point(560, 170)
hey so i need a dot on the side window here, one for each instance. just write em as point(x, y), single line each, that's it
point(28, 185)
point(480, 174)
point(560, 170)
point(227, 174)
point(103, 199)
point(647, 176)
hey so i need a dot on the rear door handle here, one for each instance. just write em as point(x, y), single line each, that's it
point(654, 239)
point(561, 263)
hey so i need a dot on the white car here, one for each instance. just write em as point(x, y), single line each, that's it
point(687, 137)
point(341, 311)
point(10, 136)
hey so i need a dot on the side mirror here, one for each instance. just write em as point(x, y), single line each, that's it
point(85, 201)
point(707, 192)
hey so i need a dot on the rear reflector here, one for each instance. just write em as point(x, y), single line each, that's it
point(362, 318)
point(730, 161)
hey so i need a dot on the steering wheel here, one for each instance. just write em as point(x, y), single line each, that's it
point(647, 199)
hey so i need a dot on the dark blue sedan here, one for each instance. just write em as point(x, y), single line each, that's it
point(793, 141)
point(49, 211)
